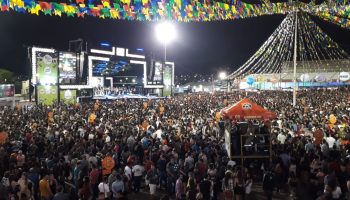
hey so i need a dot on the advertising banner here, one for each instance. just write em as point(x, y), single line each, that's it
point(68, 96)
point(168, 77)
point(67, 68)
point(46, 66)
point(7, 90)
point(47, 94)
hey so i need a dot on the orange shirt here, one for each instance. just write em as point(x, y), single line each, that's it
point(318, 135)
point(44, 187)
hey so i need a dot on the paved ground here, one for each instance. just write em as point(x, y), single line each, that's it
point(257, 194)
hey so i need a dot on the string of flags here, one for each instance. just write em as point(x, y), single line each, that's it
point(150, 10)
point(338, 11)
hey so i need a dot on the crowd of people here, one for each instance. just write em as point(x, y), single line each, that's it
point(175, 147)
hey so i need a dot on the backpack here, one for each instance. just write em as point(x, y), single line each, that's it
point(268, 181)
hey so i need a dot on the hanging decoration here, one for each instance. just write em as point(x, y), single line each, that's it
point(150, 10)
point(314, 49)
point(335, 11)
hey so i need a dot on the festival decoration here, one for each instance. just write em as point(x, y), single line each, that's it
point(277, 52)
point(150, 10)
point(337, 11)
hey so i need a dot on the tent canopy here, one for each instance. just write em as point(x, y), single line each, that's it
point(246, 109)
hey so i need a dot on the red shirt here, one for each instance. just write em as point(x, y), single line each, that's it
point(147, 165)
point(202, 168)
point(318, 135)
point(94, 176)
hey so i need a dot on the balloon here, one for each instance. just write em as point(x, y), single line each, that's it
point(250, 80)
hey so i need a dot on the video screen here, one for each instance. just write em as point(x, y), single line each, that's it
point(121, 71)
point(154, 73)
point(7, 90)
point(67, 68)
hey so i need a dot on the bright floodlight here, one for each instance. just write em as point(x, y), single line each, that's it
point(222, 75)
point(165, 32)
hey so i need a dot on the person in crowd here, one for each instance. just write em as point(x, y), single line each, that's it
point(118, 187)
point(228, 186)
point(268, 184)
point(61, 195)
point(180, 188)
point(138, 171)
point(94, 178)
point(248, 186)
point(103, 189)
point(179, 136)
point(153, 179)
point(45, 189)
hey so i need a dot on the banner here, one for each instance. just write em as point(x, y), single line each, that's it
point(68, 96)
point(46, 67)
point(47, 94)
point(167, 79)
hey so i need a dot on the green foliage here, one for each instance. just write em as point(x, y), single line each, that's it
point(6, 76)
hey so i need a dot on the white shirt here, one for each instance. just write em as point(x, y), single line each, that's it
point(281, 138)
point(248, 187)
point(103, 188)
point(330, 140)
point(336, 193)
point(138, 170)
point(127, 172)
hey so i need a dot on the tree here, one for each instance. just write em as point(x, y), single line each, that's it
point(6, 76)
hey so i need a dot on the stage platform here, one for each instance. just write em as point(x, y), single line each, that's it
point(125, 96)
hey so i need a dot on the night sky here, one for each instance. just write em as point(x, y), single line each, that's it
point(201, 47)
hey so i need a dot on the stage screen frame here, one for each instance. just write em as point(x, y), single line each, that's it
point(65, 56)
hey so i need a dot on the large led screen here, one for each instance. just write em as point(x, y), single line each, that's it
point(67, 68)
point(46, 64)
point(154, 73)
point(122, 72)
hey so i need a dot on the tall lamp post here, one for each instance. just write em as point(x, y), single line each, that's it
point(165, 33)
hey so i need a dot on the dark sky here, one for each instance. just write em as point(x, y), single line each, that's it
point(203, 47)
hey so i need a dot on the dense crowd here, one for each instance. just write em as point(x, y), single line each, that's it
point(176, 147)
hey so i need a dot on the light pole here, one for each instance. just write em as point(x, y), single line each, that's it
point(165, 33)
